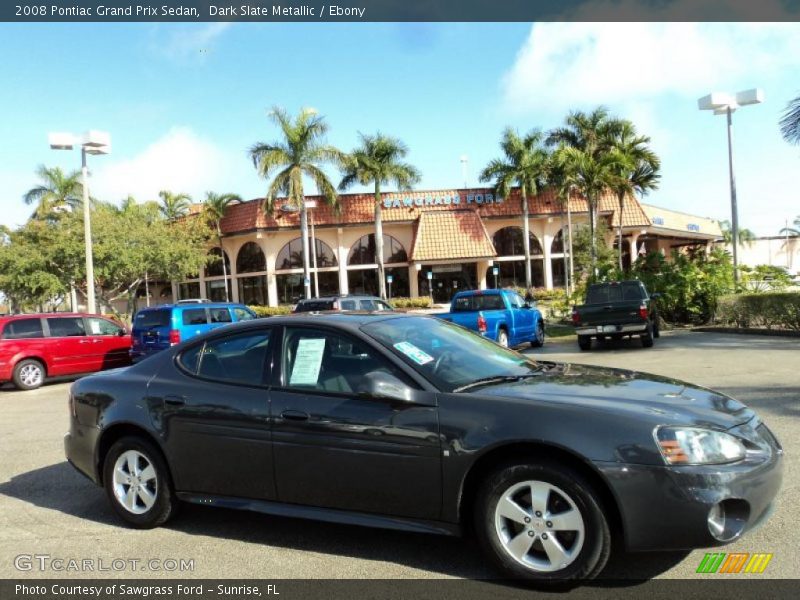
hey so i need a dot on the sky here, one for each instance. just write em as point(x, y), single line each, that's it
point(184, 103)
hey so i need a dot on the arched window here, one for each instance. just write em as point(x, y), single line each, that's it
point(250, 259)
point(214, 265)
point(291, 255)
point(364, 252)
point(557, 247)
point(508, 242)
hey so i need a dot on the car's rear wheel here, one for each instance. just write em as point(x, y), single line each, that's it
point(647, 337)
point(656, 329)
point(137, 483)
point(538, 341)
point(502, 338)
point(28, 374)
point(585, 342)
point(542, 521)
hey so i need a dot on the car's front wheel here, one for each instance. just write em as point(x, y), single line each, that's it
point(585, 342)
point(542, 521)
point(137, 483)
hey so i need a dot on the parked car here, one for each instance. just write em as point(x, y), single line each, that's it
point(156, 328)
point(341, 303)
point(615, 310)
point(36, 347)
point(410, 422)
point(500, 315)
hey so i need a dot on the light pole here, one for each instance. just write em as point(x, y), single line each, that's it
point(726, 104)
point(464, 162)
point(310, 204)
point(92, 142)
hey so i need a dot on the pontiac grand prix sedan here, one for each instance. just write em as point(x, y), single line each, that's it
point(413, 423)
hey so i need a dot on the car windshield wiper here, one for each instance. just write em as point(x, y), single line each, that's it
point(494, 379)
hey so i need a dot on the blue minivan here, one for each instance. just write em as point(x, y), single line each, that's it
point(159, 327)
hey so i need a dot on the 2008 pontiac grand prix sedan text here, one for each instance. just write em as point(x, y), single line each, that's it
point(412, 423)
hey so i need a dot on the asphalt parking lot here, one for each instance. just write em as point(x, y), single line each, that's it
point(47, 508)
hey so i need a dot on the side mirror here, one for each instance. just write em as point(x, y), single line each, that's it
point(122, 332)
point(655, 296)
point(380, 384)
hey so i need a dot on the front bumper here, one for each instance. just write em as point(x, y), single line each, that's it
point(667, 507)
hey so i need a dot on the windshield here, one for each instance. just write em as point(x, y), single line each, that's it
point(447, 355)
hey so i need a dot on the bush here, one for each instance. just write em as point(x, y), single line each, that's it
point(770, 310)
point(540, 294)
point(421, 302)
point(271, 311)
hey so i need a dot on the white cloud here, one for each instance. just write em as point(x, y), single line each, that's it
point(180, 161)
point(576, 64)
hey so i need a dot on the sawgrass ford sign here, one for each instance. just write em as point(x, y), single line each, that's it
point(439, 199)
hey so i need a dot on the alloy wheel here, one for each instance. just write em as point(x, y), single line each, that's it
point(539, 526)
point(135, 482)
point(31, 375)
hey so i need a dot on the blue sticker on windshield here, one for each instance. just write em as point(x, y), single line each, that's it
point(411, 351)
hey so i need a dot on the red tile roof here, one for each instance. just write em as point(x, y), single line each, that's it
point(453, 234)
point(409, 206)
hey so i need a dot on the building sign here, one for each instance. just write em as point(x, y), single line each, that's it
point(446, 268)
point(658, 221)
point(692, 227)
point(446, 199)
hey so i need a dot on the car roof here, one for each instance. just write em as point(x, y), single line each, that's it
point(346, 320)
point(48, 315)
point(190, 305)
point(342, 297)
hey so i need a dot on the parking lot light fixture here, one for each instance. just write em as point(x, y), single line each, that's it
point(92, 142)
point(722, 103)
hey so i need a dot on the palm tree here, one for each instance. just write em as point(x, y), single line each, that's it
point(174, 206)
point(524, 165)
point(793, 231)
point(378, 160)
point(790, 122)
point(214, 207)
point(57, 191)
point(634, 169)
point(300, 153)
point(588, 137)
point(746, 237)
point(561, 180)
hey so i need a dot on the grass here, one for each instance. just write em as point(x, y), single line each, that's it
point(557, 330)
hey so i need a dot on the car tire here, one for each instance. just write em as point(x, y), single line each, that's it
point(28, 374)
point(656, 329)
point(647, 337)
point(585, 342)
point(502, 338)
point(568, 538)
point(538, 341)
point(134, 464)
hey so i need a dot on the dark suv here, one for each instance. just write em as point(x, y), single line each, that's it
point(340, 303)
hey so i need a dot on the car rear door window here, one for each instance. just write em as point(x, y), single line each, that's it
point(147, 319)
point(220, 315)
point(66, 326)
point(194, 316)
point(98, 326)
point(238, 358)
point(23, 329)
point(367, 305)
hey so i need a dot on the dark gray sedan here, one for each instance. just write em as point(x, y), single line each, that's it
point(413, 423)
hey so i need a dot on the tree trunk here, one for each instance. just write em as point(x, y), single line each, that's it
point(564, 253)
point(379, 242)
point(304, 237)
point(619, 235)
point(526, 237)
point(224, 268)
point(569, 241)
point(592, 234)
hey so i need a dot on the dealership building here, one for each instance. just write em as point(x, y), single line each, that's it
point(435, 242)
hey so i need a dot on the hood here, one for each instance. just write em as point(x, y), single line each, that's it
point(630, 393)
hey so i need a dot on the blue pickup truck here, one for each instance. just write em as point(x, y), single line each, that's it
point(500, 315)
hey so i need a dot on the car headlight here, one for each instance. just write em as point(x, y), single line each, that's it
point(695, 446)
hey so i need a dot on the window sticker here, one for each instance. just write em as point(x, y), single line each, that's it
point(308, 361)
point(411, 351)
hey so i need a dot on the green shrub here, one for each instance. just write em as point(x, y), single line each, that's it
point(271, 311)
point(540, 294)
point(421, 302)
point(770, 310)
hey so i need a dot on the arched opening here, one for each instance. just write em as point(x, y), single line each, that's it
point(252, 289)
point(215, 288)
point(291, 286)
point(365, 280)
point(558, 249)
point(364, 252)
point(510, 261)
point(291, 255)
point(251, 259)
point(214, 264)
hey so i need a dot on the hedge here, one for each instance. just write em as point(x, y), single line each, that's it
point(772, 310)
point(270, 311)
point(421, 302)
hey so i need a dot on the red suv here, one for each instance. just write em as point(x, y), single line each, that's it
point(34, 347)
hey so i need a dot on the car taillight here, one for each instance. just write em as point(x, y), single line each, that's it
point(576, 318)
point(174, 337)
point(335, 305)
point(481, 323)
point(643, 311)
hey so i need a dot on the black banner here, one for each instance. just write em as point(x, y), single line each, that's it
point(715, 586)
point(398, 10)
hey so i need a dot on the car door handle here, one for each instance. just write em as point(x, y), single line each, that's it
point(294, 415)
point(84, 341)
point(174, 400)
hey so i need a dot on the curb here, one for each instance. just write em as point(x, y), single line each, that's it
point(749, 331)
